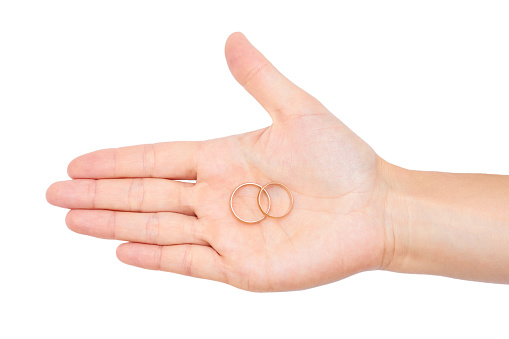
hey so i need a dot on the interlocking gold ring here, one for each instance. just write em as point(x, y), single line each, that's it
point(259, 202)
point(260, 195)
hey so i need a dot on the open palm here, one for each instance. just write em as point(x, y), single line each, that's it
point(336, 227)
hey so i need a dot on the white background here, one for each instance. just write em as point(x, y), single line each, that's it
point(425, 83)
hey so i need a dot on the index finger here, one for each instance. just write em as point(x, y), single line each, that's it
point(171, 160)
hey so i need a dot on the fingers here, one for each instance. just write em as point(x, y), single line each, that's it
point(172, 160)
point(135, 195)
point(163, 228)
point(192, 260)
point(278, 95)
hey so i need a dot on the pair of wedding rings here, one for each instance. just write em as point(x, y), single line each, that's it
point(259, 199)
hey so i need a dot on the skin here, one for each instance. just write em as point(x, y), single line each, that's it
point(351, 208)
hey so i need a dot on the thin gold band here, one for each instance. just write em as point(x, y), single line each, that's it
point(259, 204)
point(260, 195)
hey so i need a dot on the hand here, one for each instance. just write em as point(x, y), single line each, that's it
point(336, 227)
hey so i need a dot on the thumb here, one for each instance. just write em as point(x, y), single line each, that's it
point(280, 97)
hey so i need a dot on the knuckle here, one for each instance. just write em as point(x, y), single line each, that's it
point(92, 192)
point(115, 161)
point(148, 159)
point(187, 260)
point(253, 72)
point(158, 258)
point(136, 194)
point(112, 225)
point(152, 229)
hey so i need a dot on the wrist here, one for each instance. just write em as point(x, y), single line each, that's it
point(395, 216)
point(446, 224)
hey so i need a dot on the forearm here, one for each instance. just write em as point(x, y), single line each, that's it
point(454, 225)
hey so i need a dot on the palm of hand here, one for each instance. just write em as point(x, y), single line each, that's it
point(336, 227)
point(334, 230)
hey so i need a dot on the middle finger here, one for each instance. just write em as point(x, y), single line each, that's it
point(134, 195)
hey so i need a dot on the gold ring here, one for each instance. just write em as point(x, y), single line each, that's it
point(260, 195)
point(259, 202)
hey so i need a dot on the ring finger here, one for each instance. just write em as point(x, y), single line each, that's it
point(162, 228)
